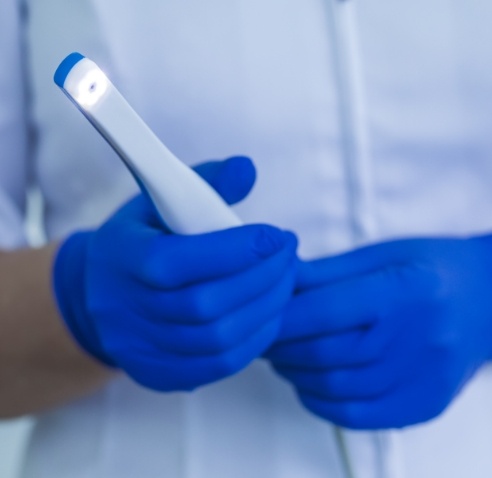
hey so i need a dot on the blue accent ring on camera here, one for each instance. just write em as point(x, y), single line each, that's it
point(65, 68)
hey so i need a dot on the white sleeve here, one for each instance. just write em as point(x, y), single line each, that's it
point(13, 128)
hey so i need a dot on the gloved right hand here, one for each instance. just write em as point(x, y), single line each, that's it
point(176, 312)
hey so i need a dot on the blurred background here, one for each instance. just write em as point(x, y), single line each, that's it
point(13, 436)
point(14, 433)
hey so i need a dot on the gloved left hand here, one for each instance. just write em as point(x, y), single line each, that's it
point(387, 336)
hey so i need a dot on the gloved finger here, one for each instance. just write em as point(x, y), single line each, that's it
point(356, 415)
point(166, 372)
point(140, 211)
point(340, 306)
point(228, 332)
point(174, 261)
point(392, 410)
point(363, 261)
point(211, 300)
point(353, 383)
point(346, 349)
point(232, 178)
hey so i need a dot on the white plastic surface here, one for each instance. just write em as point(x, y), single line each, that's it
point(186, 203)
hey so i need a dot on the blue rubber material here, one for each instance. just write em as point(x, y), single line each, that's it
point(65, 67)
point(128, 291)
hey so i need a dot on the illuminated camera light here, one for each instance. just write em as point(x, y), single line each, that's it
point(91, 88)
point(86, 83)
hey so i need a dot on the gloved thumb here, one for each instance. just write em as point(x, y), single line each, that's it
point(232, 178)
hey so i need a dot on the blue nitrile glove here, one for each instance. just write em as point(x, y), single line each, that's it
point(176, 312)
point(387, 336)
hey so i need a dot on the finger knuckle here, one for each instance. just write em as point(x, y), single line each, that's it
point(226, 365)
point(164, 277)
point(370, 350)
point(436, 406)
point(319, 354)
point(220, 338)
point(350, 416)
point(268, 241)
point(202, 305)
point(443, 345)
point(97, 306)
point(153, 269)
point(425, 283)
point(335, 384)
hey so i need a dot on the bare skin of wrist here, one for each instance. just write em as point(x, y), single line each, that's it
point(40, 364)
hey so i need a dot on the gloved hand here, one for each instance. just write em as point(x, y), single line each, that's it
point(176, 312)
point(387, 336)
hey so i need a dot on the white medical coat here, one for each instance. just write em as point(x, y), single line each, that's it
point(367, 119)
